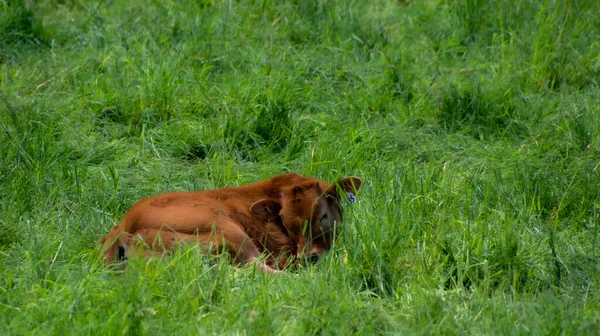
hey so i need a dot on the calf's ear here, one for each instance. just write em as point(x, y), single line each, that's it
point(267, 209)
point(348, 185)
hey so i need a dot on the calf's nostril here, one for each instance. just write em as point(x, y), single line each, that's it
point(313, 258)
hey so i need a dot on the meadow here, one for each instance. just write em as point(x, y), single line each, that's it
point(475, 126)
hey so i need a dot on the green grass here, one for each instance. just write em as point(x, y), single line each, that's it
point(475, 126)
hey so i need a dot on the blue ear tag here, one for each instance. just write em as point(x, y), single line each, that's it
point(351, 198)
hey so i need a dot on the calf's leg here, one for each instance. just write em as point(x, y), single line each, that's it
point(152, 242)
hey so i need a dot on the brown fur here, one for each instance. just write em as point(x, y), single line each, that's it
point(267, 216)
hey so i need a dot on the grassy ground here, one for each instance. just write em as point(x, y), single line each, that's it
point(474, 124)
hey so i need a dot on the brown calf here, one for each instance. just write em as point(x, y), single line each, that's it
point(285, 216)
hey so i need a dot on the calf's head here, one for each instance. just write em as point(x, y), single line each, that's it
point(309, 211)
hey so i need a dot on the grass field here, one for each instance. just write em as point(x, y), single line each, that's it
point(475, 126)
